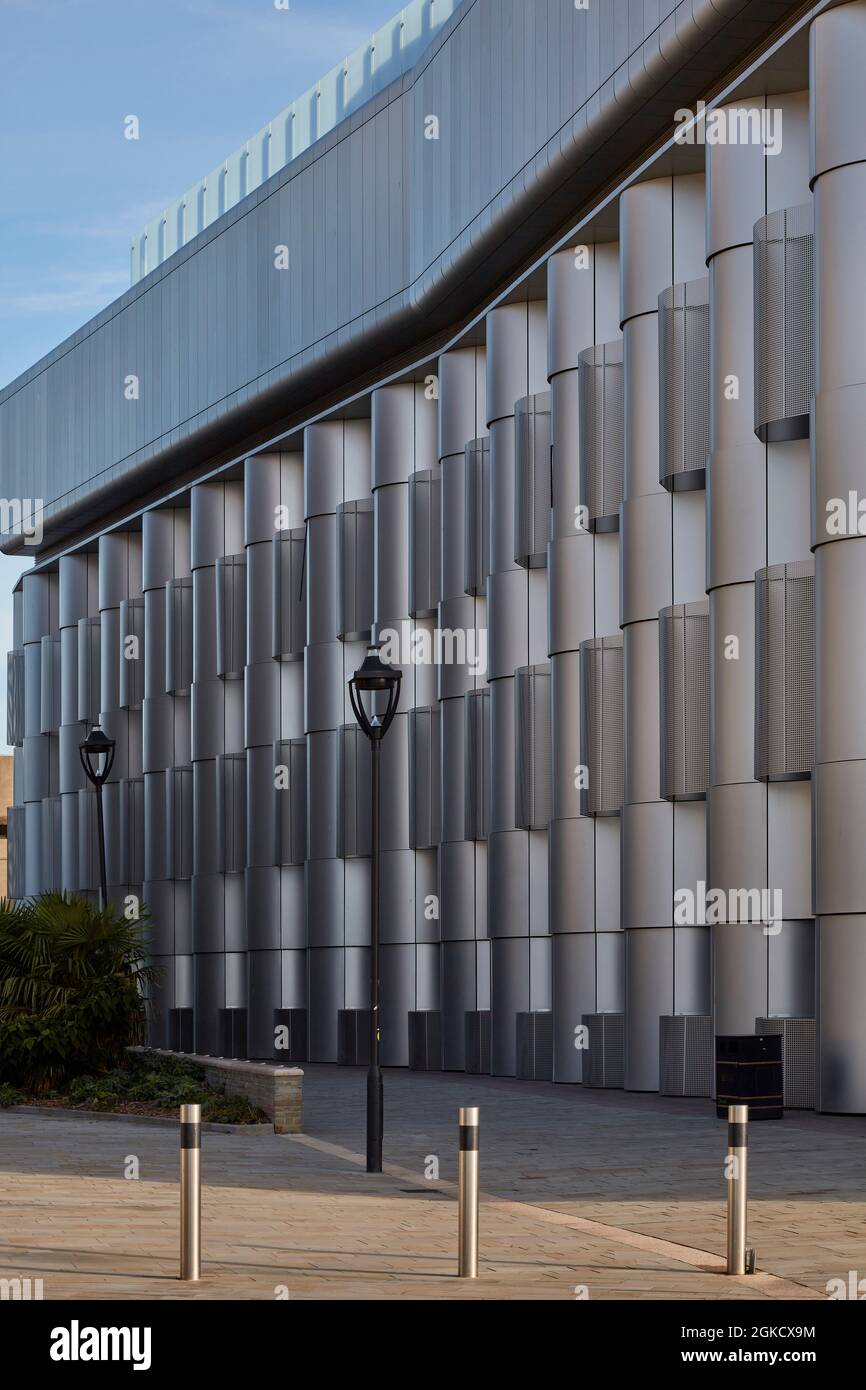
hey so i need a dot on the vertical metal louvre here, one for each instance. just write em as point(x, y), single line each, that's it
point(533, 789)
point(15, 698)
point(231, 790)
point(179, 822)
point(355, 570)
point(290, 792)
point(50, 685)
point(684, 385)
point(602, 433)
point(131, 653)
point(785, 671)
point(89, 675)
point(684, 669)
point(424, 802)
point(532, 479)
point(601, 725)
point(289, 606)
point(784, 323)
point(477, 535)
point(353, 824)
point(178, 636)
point(477, 717)
point(424, 543)
point(231, 624)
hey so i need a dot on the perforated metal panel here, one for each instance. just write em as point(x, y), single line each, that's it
point(425, 1040)
point(290, 609)
point(477, 1024)
point(686, 1055)
point(89, 674)
point(798, 1058)
point(684, 710)
point(353, 820)
point(424, 774)
point(684, 385)
point(231, 616)
point(231, 790)
point(533, 789)
point(532, 480)
point(52, 845)
point(477, 535)
point(355, 570)
point(425, 555)
point(15, 697)
point(784, 323)
point(179, 822)
point(131, 683)
point(535, 1046)
point(602, 433)
point(15, 851)
point(785, 671)
point(601, 725)
point(477, 717)
point(290, 792)
point(178, 636)
point(604, 1058)
point(49, 686)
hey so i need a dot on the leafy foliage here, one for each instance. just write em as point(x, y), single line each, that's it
point(72, 978)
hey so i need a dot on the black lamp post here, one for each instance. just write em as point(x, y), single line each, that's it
point(380, 684)
point(96, 747)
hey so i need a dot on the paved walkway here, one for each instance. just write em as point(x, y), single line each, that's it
point(585, 1193)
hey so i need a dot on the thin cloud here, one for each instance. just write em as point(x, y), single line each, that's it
point(72, 292)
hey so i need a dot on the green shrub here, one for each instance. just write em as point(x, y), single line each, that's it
point(231, 1110)
point(72, 978)
point(9, 1096)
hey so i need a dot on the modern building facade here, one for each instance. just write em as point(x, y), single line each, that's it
point(537, 356)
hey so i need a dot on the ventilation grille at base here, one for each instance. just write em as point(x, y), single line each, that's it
point(604, 1059)
point(353, 1038)
point(181, 1030)
point(233, 1033)
point(294, 1036)
point(535, 1046)
point(425, 1040)
point(798, 1058)
point(478, 1042)
point(686, 1055)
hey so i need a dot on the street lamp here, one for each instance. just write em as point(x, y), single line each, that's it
point(380, 684)
point(96, 747)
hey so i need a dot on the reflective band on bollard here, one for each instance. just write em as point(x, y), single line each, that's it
point(738, 1141)
point(190, 1192)
point(467, 1194)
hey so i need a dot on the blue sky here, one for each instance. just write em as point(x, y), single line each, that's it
point(201, 75)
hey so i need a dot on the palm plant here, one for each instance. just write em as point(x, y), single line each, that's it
point(72, 983)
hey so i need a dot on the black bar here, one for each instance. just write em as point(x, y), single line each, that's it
point(738, 1136)
point(469, 1138)
point(190, 1135)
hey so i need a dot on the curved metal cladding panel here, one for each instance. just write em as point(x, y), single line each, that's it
point(601, 728)
point(276, 753)
point(425, 813)
point(401, 255)
point(517, 611)
point(602, 438)
point(662, 242)
point(337, 469)
point(38, 776)
point(838, 55)
point(532, 480)
point(758, 514)
point(404, 442)
point(583, 599)
point(784, 329)
point(15, 697)
point(464, 948)
point(477, 745)
point(684, 706)
point(219, 936)
point(78, 580)
point(355, 570)
point(785, 671)
point(684, 384)
point(476, 543)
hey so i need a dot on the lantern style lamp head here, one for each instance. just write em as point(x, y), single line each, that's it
point(96, 747)
point(375, 678)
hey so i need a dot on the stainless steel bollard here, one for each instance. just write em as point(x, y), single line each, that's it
point(738, 1189)
point(467, 1194)
point(190, 1192)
